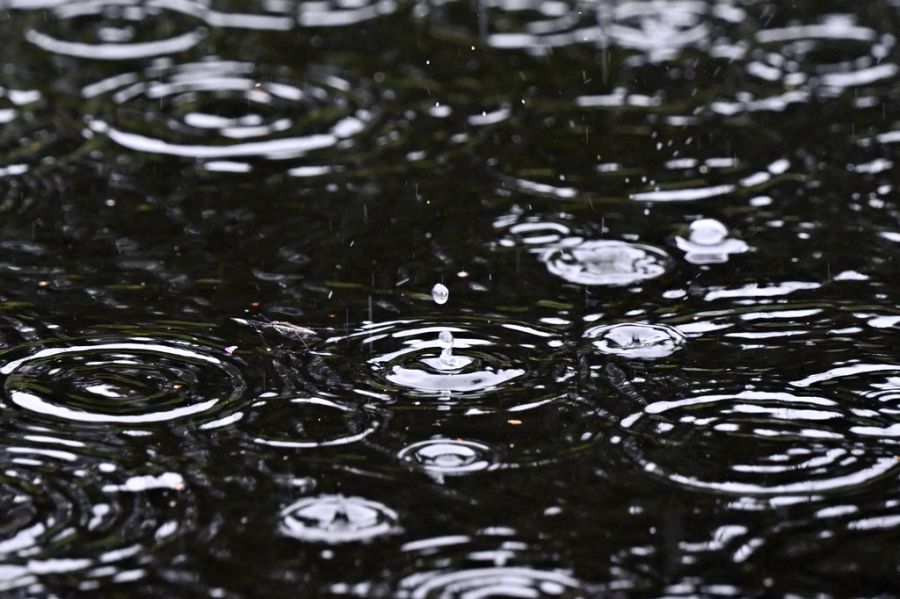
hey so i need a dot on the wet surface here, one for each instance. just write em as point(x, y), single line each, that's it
point(449, 299)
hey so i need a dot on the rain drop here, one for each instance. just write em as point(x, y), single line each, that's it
point(440, 294)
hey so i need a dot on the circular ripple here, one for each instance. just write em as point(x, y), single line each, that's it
point(118, 29)
point(833, 55)
point(449, 457)
point(757, 443)
point(489, 564)
point(225, 112)
point(337, 519)
point(503, 581)
point(660, 30)
point(511, 361)
point(603, 262)
point(636, 340)
point(136, 380)
point(304, 422)
point(641, 156)
point(547, 431)
point(67, 510)
point(341, 13)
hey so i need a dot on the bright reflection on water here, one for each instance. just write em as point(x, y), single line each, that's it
point(231, 364)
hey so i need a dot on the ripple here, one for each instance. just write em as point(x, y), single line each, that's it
point(830, 56)
point(488, 357)
point(220, 111)
point(494, 563)
point(118, 29)
point(502, 581)
point(605, 262)
point(697, 157)
point(341, 13)
point(538, 27)
point(547, 431)
point(449, 457)
point(661, 29)
point(337, 519)
point(269, 16)
point(636, 340)
point(68, 510)
point(776, 443)
point(305, 422)
point(131, 380)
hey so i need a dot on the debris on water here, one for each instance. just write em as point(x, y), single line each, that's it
point(288, 329)
point(440, 294)
point(231, 349)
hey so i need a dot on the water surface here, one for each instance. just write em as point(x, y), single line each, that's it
point(386, 298)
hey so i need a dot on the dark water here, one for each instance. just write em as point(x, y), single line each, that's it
point(668, 362)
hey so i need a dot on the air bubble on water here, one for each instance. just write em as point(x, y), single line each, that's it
point(707, 231)
point(708, 243)
point(440, 294)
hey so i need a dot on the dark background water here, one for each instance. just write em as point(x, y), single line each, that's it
point(221, 360)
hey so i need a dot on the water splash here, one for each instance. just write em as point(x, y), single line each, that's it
point(605, 262)
point(417, 359)
point(449, 457)
point(335, 519)
point(636, 341)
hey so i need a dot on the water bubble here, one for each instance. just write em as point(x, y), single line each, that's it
point(707, 231)
point(440, 294)
point(415, 359)
point(337, 519)
point(602, 262)
point(451, 457)
point(708, 243)
point(639, 341)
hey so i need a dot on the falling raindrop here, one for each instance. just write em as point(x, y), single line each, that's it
point(440, 294)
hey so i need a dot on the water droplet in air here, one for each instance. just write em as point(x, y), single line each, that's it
point(440, 294)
